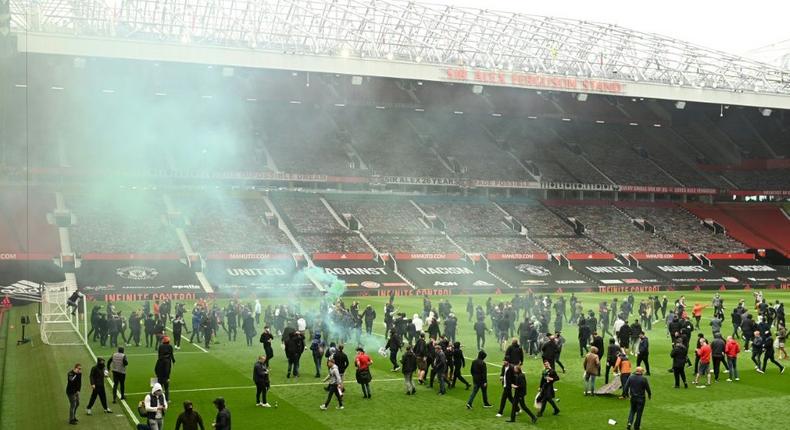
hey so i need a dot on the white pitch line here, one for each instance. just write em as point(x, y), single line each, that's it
point(188, 341)
point(156, 353)
point(304, 384)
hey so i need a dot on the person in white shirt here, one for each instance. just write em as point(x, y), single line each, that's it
point(417, 321)
point(257, 311)
point(301, 324)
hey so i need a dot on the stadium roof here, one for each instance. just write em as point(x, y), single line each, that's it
point(403, 39)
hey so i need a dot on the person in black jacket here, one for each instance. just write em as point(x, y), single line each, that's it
point(611, 358)
point(260, 375)
point(514, 354)
point(546, 394)
point(479, 380)
point(520, 391)
point(149, 330)
point(408, 366)
point(393, 345)
point(97, 385)
point(643, 352)
point(341, 359)
point(73, 387)
point(440, 365)
point(458, 363)
point(164, 364)
point(222, 422)
point(190, 419)
point(550, 350)
point(768, 353)
point(266, 340)
point(506, 376)
point(294, 347)
point(679, 356)
point(636, 387)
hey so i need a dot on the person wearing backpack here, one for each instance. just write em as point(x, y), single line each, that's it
point(155, 406)
point(317, 348)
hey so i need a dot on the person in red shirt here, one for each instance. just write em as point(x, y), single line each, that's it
point(731, 350)
point(704, 353)
point(363, 362)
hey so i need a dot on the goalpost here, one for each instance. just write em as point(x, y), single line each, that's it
point(58, 325)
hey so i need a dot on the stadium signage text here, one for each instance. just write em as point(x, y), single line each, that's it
point(445, 271)
point(252, 271)
point(534, 80)
point(753, 268)
point(609, 269)
point(339, 271)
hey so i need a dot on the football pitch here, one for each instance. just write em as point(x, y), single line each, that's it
point(33, 381)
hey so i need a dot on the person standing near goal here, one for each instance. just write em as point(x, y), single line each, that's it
point(73, 387)
point(97, 385)
point(118, 363)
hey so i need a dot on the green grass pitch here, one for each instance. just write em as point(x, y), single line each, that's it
point(33, 384)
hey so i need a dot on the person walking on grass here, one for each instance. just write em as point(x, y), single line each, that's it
point(164, 364)
point(260, 375)
point(768, 353)
point(731, 351)
point(479, 380)
point(266, 340)
point(506, 377)
point(704, 353)
point(363, 361)
point(519, 392)
point(317, 347)
point(643, 352)
point(179, 325)
point(222, 421)
point(118, 363)
point(679, 357)
point(546, 394)
point(97, 385)
point(459, 362)
point(394, 345)
point(189, 419)
point(592, 365)
point(73, 387)
point(409, 366)
point(637, 386)
point(623, 367)
point(155, 406)
point(335, 387)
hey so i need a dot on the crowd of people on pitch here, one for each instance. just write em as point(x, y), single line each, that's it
point(425, 346)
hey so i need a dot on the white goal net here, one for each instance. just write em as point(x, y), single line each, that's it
point(62, 324)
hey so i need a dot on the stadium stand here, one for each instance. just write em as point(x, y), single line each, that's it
point(380, 214)
point(424, 243)
point(313, 225)
point(302, 139)
point(388, 144)
point(225, 224)
point(458, 138)
point(756, 225)
point(129, 222)
point(683, 229)
point(613, 229)
point(23, 221)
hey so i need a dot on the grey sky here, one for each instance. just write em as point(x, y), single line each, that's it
point(733, 26)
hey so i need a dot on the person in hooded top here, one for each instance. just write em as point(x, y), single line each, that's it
point(189, 419)
point(155, 406)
